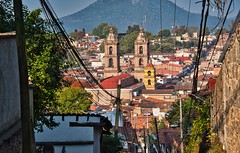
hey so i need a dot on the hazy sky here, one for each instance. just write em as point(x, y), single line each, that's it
point(66, 7)
point(61, 7)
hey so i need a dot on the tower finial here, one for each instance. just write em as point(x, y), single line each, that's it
point(111, 30)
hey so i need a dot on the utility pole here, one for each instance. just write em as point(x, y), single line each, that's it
point(144, 139)
point(155, 122)
point(181, 126)
point(118, 104)
point(26, 123)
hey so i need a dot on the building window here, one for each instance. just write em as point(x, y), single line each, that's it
point(110, 63)
point(140, 62)
point(110, 50)
point(149, 82)
point(140, 50)
point(149, 73)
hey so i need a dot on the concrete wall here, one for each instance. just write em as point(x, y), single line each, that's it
point(225, 110)
point(9, 83)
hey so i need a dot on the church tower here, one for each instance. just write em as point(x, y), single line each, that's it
point(149, 77)
point(111, 46)
point(141, 49)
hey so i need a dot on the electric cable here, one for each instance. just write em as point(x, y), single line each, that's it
point(65, 37)
point(218, 37)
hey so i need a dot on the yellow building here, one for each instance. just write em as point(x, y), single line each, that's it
point(149, 77)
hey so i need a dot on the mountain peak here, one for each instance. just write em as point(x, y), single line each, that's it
point(123, 13)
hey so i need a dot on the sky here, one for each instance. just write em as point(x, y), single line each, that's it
point(197, 7)
point(61, 7)
point(67, 7)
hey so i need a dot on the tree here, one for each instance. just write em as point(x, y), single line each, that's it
point(224, 30)
point(77, 35)
point(160, 125)
point(73, 100)
point(174, 113)
point(45, 59)
point(127, 44)
point(164, 33)
point(111, 144)
point(133, 28)
point(7, 21)
point(167, 48)
point(179, 31)
point(191, 30)
point(103, 29)
point(198, 140)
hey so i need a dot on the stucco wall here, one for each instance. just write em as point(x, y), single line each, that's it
point(225, 110)
point(9, 83)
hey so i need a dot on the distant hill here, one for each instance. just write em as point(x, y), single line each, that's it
point(122, 13)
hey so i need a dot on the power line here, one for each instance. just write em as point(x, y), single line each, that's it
point(61, 30)
point(64, 47)
point(218, 37)
point(200, 44)
point(161, 27)
point(189, 7)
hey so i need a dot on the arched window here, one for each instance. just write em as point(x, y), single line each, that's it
point(140, 50)
point(110, 50)
point(149, 82)
point(140, 62)
point(110, 62)
point(149, 73)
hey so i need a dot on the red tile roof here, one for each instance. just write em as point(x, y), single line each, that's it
point(159, 91)
point(150, 65)
point(164, 72)
point(112, 82)
point(179, 59)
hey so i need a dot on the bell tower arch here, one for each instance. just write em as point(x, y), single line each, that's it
point(141, 52)
point(111, 47)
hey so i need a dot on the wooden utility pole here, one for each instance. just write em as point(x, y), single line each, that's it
point(27, 130)
point(144, 139)
point(118, 104)
point(158, 143)
point(181, 126)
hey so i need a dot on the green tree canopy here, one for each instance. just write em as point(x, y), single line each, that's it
point(191, 30)
point(164, 33)
point(45, 58)
point(111, 144)
point(167, 47)
point(179, 30)
point(103, 29)
point(133, 28)
point(174, 113)
point(7, 21)
point(77, 35)
point(127, 44)
point(160, 125)
point(73, 100)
